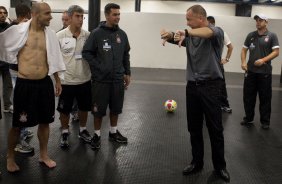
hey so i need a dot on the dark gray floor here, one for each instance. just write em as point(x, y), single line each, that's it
point(159, 144)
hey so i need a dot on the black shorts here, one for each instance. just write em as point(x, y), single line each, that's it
point(82, 94)
point(104, 94)
point(34, 102)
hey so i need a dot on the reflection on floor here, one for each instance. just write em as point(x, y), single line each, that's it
point(159, 145)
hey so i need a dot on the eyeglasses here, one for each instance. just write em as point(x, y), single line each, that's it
point(1, 12)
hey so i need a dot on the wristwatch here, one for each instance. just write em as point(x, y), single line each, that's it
point(186, 33)
point(227, 59)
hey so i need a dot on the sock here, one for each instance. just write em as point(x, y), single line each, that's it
point(65, 131)
point(82, 128)
point(98, 132)
point(113, 130)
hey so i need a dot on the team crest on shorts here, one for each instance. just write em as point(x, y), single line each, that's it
point(95, 108)
point(23, 117)
point(61, 105)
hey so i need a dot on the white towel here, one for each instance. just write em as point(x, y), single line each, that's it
point(14, 38)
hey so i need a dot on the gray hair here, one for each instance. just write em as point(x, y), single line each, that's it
point(74, 8)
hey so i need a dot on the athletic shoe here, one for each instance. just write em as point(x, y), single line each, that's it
point(64, 140)
point(9, 109)
point(75, 116)
point(85, 136)
point(226, 109)
point(95, 142)
point(265, 126)
point(27, 133)
point(117, 137)
point(246, 122)
point(24, 147)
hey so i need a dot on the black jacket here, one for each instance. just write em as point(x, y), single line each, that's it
point(3, 27)
point(107, 52)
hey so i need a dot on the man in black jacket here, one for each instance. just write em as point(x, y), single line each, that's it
point(107, 52)
point(4, 67)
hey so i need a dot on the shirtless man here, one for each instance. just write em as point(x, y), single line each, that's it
point(34, 100)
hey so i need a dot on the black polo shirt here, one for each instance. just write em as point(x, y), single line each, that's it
point(260, 46)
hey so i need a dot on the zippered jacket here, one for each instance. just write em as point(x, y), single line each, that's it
point(107, 52)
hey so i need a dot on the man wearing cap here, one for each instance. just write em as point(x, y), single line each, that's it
point(263, 46)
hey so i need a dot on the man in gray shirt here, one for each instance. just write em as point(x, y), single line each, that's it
point(204, 45)
point(263, 46)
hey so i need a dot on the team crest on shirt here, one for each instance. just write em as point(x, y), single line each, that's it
point(266, 39)
point(23, 117)
point(252, 46)
point(106, 45)
point(118, 39)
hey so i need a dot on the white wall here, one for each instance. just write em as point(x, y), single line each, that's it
point(147, 50)
point(6, 4)
point(126, 5)
point(273, 12)
point(180, 7)
point(143, 29)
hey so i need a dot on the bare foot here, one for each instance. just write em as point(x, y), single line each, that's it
point(48, 162)
point(12, 166)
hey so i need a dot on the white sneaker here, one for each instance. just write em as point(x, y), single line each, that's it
point(24, 147)
point(9, 110)
point(27, 134)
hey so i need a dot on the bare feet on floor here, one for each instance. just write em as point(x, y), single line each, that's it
point(12, 166)
point(48, 162)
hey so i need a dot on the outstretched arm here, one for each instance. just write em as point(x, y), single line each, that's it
point(166, 36)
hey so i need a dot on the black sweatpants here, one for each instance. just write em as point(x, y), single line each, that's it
point(257, 83)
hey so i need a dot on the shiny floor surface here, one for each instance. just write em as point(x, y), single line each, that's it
point(159, 144)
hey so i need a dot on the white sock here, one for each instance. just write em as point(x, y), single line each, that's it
point(82, 128)
point(65, 131)
point(113, 130)
point(98, 132)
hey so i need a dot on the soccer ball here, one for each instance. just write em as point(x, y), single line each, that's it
point(170, 105)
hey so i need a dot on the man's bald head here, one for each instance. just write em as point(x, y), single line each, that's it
point(41, 14)
point(37, 7)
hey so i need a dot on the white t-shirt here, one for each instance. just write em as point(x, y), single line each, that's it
point(226, 39)
point(77, 69)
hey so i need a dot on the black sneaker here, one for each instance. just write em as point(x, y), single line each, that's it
point(117, 137)
point(75, 116)
point(246, 122)
point(265, 126)
point(95, 142)
point(226, 109)
point(64, 140)
point(84, 135)
point(24, 147)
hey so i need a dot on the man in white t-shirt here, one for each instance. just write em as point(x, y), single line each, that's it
point(224, 101)
point(76, 83)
